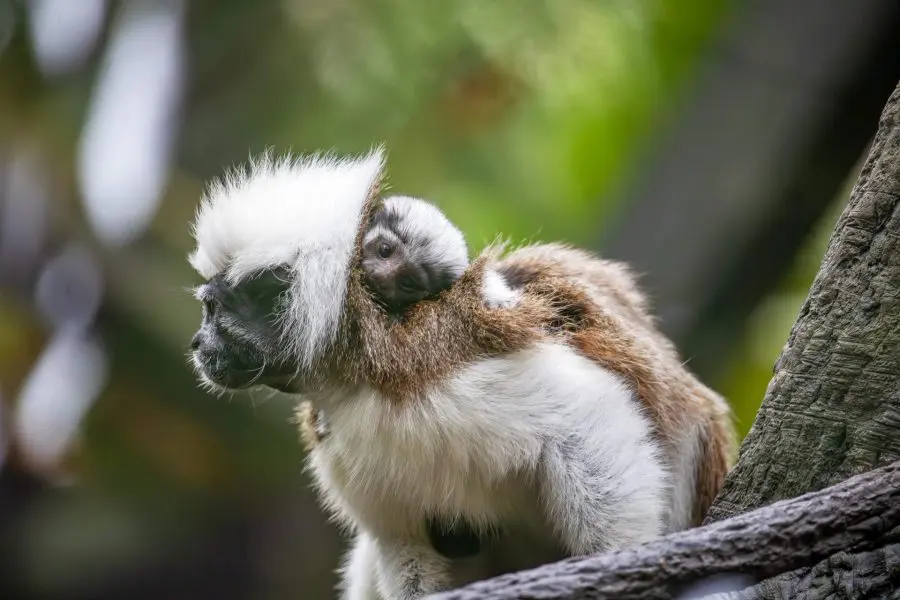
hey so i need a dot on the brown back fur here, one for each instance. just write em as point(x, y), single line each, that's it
point(591, 304)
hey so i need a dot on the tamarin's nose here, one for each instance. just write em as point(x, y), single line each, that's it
point(195, 341)
point(382, 284)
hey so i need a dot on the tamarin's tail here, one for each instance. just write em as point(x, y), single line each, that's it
point(715, 457)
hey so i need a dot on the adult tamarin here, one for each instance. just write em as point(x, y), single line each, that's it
point(555, 422)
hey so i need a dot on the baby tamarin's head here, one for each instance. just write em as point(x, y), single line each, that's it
point(411, 252)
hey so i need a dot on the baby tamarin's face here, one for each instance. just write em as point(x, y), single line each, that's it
point(411, 252)
point(393, 273)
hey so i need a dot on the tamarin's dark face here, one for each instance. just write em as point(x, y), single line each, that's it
point(237, 345)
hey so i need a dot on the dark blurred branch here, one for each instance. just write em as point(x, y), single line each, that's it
point(756, 156)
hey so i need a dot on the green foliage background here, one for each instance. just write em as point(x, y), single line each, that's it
point(520, 118)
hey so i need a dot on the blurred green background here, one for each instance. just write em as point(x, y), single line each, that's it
point(527, 119)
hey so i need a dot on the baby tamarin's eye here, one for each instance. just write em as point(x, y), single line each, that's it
point(408, 284)
point(385, 250)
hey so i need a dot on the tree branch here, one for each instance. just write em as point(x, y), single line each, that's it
point(872, 574)
point(860, 514)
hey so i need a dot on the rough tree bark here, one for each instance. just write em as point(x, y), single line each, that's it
point(833, 407)
point(832, 411)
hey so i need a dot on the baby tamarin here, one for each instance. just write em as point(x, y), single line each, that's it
point(411, 252)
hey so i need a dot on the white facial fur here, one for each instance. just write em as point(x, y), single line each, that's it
point(303, 213)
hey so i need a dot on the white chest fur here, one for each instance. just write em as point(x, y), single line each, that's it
point(472, 446)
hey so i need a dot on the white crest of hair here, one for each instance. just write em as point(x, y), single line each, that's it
point(422, 220)
point(544, 428)
point(300, 212)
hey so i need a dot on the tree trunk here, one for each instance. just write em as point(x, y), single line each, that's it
point(833, 407)
point(831, 411)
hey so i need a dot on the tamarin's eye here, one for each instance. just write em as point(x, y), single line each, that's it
point(408, 284)
point(385, 250)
